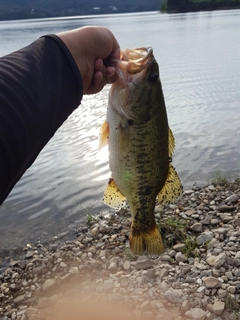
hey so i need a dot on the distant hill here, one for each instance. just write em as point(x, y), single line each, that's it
point(27, 9)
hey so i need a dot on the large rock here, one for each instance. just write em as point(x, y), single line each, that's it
point(220, 260)
point(211, 260)
point(145, 306)
point(30, 311)
point(212, 282)
point(165, 314)
point(142, 264)
point(172, 296)
point(19, 299)
point(195, 313)
point(48, 284)
point(233, 198)
point(185, 305)
point(127, 265)
point(218, 307)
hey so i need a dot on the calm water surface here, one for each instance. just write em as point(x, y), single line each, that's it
point(199, 58)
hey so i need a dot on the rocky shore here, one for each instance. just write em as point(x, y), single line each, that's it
point(97, 277)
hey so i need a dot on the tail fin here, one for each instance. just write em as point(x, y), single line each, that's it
point(151, 241)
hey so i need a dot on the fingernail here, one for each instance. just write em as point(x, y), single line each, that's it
point(109, 72)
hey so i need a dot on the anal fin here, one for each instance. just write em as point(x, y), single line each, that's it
point(112, 196)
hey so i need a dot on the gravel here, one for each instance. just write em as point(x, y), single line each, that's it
point(96, 276)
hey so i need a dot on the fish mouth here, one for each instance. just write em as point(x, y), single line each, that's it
point(137, 59)
point(133, 63)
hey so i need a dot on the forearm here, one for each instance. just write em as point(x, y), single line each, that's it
point(40, 86)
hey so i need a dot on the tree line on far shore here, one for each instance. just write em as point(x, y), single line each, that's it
point(29, 9)
point(174, 6)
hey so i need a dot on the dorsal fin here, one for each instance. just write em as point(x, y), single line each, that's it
point(171, 143)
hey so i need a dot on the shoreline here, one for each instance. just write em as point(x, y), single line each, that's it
point(197, 277)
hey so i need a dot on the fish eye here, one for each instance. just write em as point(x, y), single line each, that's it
point(153, 77)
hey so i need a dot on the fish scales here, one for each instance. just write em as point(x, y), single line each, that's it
point(140, 147)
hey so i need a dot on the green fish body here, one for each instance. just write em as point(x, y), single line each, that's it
point(140, 147)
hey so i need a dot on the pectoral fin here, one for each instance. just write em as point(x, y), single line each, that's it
point(103, 135)
point(172, 189)
point(112, 196)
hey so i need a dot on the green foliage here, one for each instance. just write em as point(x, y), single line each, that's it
point(129, 255)
point(219, 180)
point(163, 5)
point(231, 303)
point(191, 247)
point(178, 5)
point(200, 5)
point(173, 230)
point(90, 219)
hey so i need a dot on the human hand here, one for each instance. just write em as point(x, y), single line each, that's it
point(93, 48)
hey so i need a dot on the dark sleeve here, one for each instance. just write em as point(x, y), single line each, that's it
point(40, 86)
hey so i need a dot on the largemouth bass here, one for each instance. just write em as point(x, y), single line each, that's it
point(140, 147)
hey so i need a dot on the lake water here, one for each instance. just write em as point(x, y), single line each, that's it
point(199, 59)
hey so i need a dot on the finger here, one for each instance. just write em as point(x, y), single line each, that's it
point(112, 58)
point(98, 65)
point(98, 82)
point(111, 75)
point(116, 54)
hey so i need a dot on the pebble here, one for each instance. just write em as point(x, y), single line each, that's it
point(172, 296)
point(19, 299)
point(226, 208)
point(179, 246)
point(31, 311)
point(112, 267)
point(142, 264)
point(204, 238)
point(232, 198)
point(180, 257)
point(211, 260)
point(197, 227)
point(108, 285)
